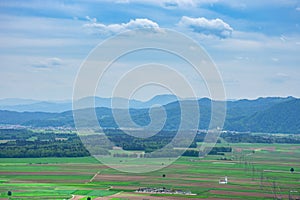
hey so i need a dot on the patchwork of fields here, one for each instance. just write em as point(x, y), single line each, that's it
point(254, 171)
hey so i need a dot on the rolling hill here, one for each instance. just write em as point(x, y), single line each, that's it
point(272, 114)
point(281, 118)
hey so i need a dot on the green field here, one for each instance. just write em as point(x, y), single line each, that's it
point(254, 171)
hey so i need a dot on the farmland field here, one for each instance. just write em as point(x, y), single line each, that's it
point(254, 171)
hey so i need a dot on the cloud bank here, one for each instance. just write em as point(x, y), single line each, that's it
point(215, 27)
point(112, 29)
point(48, 63)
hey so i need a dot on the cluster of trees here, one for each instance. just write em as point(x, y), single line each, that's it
point(189, 152)
point(128, 142)
point(150, 144)
point(25, 143)
point(259, 138)
point(23, 149)
point(213, 151)
point(26, 134)
point(219, 150)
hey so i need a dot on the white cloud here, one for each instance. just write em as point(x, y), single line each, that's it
point(94, 20)
point(178, 3)
point(48, 63)
point(215, 27)
point(112, 29)
point(188, 4)
point(185, 4)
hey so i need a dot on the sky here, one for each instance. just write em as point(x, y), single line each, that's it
point(254, 44)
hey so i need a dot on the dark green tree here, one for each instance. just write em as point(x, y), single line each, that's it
point(292, 170)
point(9, 193)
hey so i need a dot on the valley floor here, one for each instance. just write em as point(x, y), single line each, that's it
point(254, 171)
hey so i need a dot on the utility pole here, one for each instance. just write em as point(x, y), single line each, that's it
point(274, 189)
point(253, 169)
point(261, 179)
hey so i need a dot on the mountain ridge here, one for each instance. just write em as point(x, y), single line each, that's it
point(30, 105)
point(261, 115)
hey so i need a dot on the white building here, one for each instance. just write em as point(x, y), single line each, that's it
point(223, 181)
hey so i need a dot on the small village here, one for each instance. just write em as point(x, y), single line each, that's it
point(163, 191)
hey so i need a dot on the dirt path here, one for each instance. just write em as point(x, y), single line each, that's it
point(280, 171)
point(91, 180)
point(77, 197)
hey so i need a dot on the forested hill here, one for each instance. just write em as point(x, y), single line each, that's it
point(281, 118)
point(272, 114)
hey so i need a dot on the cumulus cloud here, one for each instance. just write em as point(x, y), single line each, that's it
point(112, 29)
point(48, 63)
point(215, 27)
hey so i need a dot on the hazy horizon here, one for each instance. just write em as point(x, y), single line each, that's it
point(143, 100)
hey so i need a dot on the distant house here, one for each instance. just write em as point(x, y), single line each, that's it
point(223, 181)
point(117, 148)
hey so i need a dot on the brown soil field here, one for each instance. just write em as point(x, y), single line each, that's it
point(46, 173)
point(47, 181)
point(107, 177)
point(77, 197)
point(125, 187)
point(132, 196)
point(245, 194)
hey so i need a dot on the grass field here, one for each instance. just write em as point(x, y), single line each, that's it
point(254, 171)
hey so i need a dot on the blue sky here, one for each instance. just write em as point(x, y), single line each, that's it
point(255, 44)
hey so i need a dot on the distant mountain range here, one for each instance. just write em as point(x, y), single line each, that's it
point(29, 105)
point(270, 115)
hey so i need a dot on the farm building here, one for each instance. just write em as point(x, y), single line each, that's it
point(223, 181)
